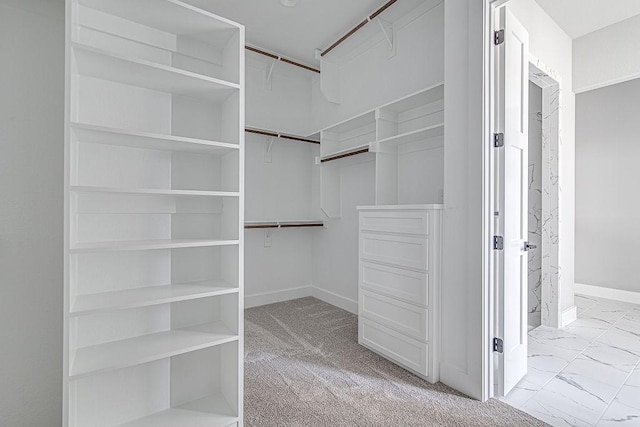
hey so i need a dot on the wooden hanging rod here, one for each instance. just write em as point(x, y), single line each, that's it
point(280, 58)
point(283, 224)
point(281, 135)
point(368, 19)
point(342, 156)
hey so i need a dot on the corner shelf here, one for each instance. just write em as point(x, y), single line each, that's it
point(144, 245)
point(106, 357)
point(423, 134)
point(153, 191)
point(148, 296)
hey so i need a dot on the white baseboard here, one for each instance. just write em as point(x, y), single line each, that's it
point(608, 293)
point(335, 299)
point(277, 296)
point(569, 315)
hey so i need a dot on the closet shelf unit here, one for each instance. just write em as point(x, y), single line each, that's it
point(406, 137)
point(154, 208)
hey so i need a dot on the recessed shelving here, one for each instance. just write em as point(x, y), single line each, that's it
point(151, 295)
point(97, 63)
point(140, 245)
point(147, 348)
point(154, 191)
point(147, 140)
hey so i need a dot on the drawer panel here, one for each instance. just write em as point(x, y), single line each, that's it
point(407, 222)
point(404, 350)
point(407, 285)
point(405, 318)
point(402, 251)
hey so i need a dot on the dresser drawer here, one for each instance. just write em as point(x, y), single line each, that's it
point(406, 222)
point(407, 285)
point(401, 316)
point(403, 251)
point(406, 351)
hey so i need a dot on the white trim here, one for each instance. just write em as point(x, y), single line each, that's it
point(569, 315)
point(335, 299)
point(606, 83)
point(608, 293)
point(277, 296)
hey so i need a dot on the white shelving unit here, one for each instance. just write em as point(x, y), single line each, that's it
point(154, 208)
point(407, 137)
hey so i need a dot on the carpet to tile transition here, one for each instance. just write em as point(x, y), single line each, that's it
point(304, 367)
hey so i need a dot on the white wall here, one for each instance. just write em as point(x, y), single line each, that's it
point(534, 277)
point(607, 182)
point(31, 211)
point(553, 47)
point(607, 56)
point(280, 189)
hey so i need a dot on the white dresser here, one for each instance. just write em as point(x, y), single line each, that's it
point(399, 285)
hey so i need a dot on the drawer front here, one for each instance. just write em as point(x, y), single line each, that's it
point(407, 222)
point(407, 285)
point(405, 318)
point(402, 251)
point(404, 350)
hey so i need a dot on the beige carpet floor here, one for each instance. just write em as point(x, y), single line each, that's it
point(304, 367)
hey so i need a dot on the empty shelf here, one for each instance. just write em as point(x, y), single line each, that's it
point(414, 136)
point(104, 65)
point(153, 191)
point(147, 348)
point(147, 140)
point(211, 411)
point(139, 245)
point(152, 295)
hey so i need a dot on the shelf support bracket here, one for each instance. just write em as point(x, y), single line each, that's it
point(387, 31)
point(267, 151)
point(269, 74)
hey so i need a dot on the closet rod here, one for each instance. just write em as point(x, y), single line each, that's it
point(280, 58)
point(281, 135)
point(284, 225)
point(342, 156)
point(368, 19)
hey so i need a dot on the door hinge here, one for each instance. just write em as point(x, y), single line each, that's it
point(498, 243)
point(498, 345)
point(498, 140)
point(498, 37)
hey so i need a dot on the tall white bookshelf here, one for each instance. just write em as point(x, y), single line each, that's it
point(154, 167)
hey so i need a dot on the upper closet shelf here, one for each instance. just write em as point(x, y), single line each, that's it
point(414, 136)
point(146, 140)
point(341, 154)
point(142, 245)
point(101, 64)
point(154, 191)
point(172, 16)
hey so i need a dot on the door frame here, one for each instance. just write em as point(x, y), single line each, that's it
point(489, 363)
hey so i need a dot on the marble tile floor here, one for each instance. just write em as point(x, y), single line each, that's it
point(587, 374)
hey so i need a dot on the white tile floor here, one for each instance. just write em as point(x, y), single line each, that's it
point(587, 374)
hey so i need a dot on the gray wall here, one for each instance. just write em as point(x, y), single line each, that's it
point(31, 184)
point(608, 186)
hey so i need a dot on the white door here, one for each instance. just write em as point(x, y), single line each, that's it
point(512, 119)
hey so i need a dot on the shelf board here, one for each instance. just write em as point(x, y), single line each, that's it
point(173, 16)
point(363, 148)
point(141, 245)
point(148, 348)
point(153, 191)
point(144, 297)
point(105, 65)
point(147, 140)
point(283, 224)
point(414, 136)
point(211, 411)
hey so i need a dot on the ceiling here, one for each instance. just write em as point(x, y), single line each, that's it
point(294, 32)
point(580, 17)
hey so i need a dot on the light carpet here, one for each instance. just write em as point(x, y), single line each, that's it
point(304, 367)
